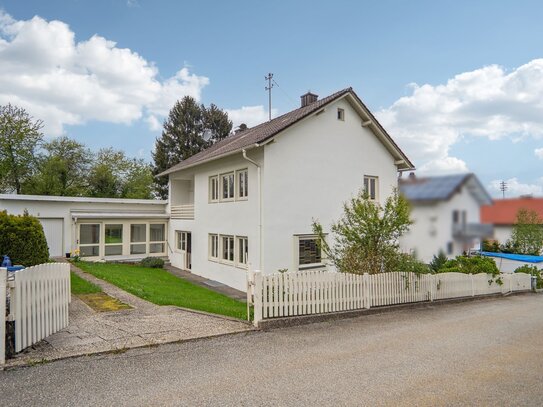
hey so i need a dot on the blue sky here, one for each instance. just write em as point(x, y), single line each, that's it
point(476, 104)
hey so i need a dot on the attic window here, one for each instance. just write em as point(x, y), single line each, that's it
point(340, 114)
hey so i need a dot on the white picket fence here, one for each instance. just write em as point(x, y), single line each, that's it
point(318, 292)
point(39, 297)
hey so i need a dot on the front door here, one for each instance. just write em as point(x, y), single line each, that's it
point(185, 246)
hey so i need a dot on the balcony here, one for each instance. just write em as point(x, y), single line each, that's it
point(185, 211)
point(472, 230)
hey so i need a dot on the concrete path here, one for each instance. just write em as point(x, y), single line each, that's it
point(483, 353)
point(146, 324)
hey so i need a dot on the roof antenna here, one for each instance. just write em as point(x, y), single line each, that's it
point(503, 188)
point(269, 89)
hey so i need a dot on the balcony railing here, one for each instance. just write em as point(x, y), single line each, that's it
point(472, 230)
point(182, 211)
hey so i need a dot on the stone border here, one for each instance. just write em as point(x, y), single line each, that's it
point(285, 322)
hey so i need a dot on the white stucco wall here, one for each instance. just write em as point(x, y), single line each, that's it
point(311, 169)
point(502, 233)
point(236, 218)
point(433, 223)
point(50, 209)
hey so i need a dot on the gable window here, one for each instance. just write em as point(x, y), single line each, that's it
point(213, 189)
point(227, 249)
point(371, 187)
point(309, 252)
point(340, 114)
point(227, 186)
point(214, 246)
point(243, 251)
point(242, 179)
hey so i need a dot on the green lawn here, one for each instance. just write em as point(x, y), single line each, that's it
point(82, 286)
point(162, 288)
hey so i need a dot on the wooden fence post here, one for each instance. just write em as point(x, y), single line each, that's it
point(257, 297)
point(250, 286)
point(3, 297)
point(366, 291)
point(472, 286)
point(431, 284)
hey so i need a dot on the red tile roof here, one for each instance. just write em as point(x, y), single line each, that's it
point(504, 211)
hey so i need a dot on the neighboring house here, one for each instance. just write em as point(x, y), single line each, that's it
point(445, 213)
point(251, 198)
point(502, 213)
point(101, 228)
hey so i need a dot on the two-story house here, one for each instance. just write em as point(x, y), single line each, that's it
point(445, 211)
point(251, 198)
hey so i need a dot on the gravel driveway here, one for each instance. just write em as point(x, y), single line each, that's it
point(483, 353)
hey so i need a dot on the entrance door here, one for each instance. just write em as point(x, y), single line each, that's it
point(185, 246)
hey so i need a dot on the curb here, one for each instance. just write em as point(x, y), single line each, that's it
point(285, 322)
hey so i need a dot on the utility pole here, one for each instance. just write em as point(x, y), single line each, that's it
point(503, 188)
point(269, 89)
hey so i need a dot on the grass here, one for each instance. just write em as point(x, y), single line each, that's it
point(82, 286)
point(162, 288)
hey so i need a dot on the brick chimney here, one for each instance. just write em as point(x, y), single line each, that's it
point(308, 98)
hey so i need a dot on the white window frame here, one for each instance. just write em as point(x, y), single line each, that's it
point(222, 251)
point(100, 238)
point(242, 241)
point(367, 187)
point(106, 245)
point(211, 244)
point(341, 114)
point(240, 197)
point(179, 242)
point(297, 264)
point(221, 188)
point(150, 242)
point(213, 188)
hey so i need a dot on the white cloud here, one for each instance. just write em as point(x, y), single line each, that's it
point(539, 153)
point(250, 115)
point(445, 165)
point(516, 188)
point(65, 82)
point(487, 102)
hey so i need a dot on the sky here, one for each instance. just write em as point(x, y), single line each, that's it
point(457, 84)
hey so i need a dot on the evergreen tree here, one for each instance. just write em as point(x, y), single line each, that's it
point(189, 129)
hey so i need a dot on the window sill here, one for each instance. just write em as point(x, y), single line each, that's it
point(311, 266)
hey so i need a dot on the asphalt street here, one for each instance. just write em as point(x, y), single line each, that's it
point(480, 353)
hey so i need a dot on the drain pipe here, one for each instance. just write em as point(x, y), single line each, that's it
point(259, 181)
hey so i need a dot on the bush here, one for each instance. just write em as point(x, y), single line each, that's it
point(408, 263)
point(152, 262)
point(22, 239)
point(533, 271)
point(438, 261)
point(470, 265)
point(491, 246)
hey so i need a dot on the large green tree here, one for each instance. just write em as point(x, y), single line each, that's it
point(20, 136)
point(366, 237)
point(527, 236)
point(189, 129)
point(62, 170)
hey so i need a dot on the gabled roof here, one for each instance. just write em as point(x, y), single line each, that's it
point(504, 211)
point(52, 198)
point(257, 135)
point(442, 188)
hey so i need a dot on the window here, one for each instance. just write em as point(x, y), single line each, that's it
point(456, 216)
point(450, 248)
point(138, 238)
point(213, 189)
point(181, 239)
point(113, 240)
point(371, 187)
point(157, 238)
point(340, 114)
point(309, 252)
point(213, 246)
point(227, 248)
point(89, 240)
point(227, 181)
point(242, 178)
point(243, 251)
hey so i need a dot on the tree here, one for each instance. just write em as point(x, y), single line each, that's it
point(62, 170)
point(366, 236)
point(189, 129)
point(20, 135)
point(527, 236)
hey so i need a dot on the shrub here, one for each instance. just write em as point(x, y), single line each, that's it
point(470, 265)
point(409, 263)
point(438, 261)
point(152, 262)
point(533, 271)
point(491, 246)
point(22, 239)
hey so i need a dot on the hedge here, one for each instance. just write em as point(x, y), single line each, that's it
point(22, 239)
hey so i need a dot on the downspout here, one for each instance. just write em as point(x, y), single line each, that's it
point(259, 181)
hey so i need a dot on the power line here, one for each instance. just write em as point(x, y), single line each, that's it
point(269, 78)
point(503, 188)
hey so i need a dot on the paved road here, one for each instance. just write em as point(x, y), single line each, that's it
point(483, 353)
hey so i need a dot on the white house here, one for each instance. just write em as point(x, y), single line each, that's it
point(102, 228)
point(251, 198)
point(445, 211)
